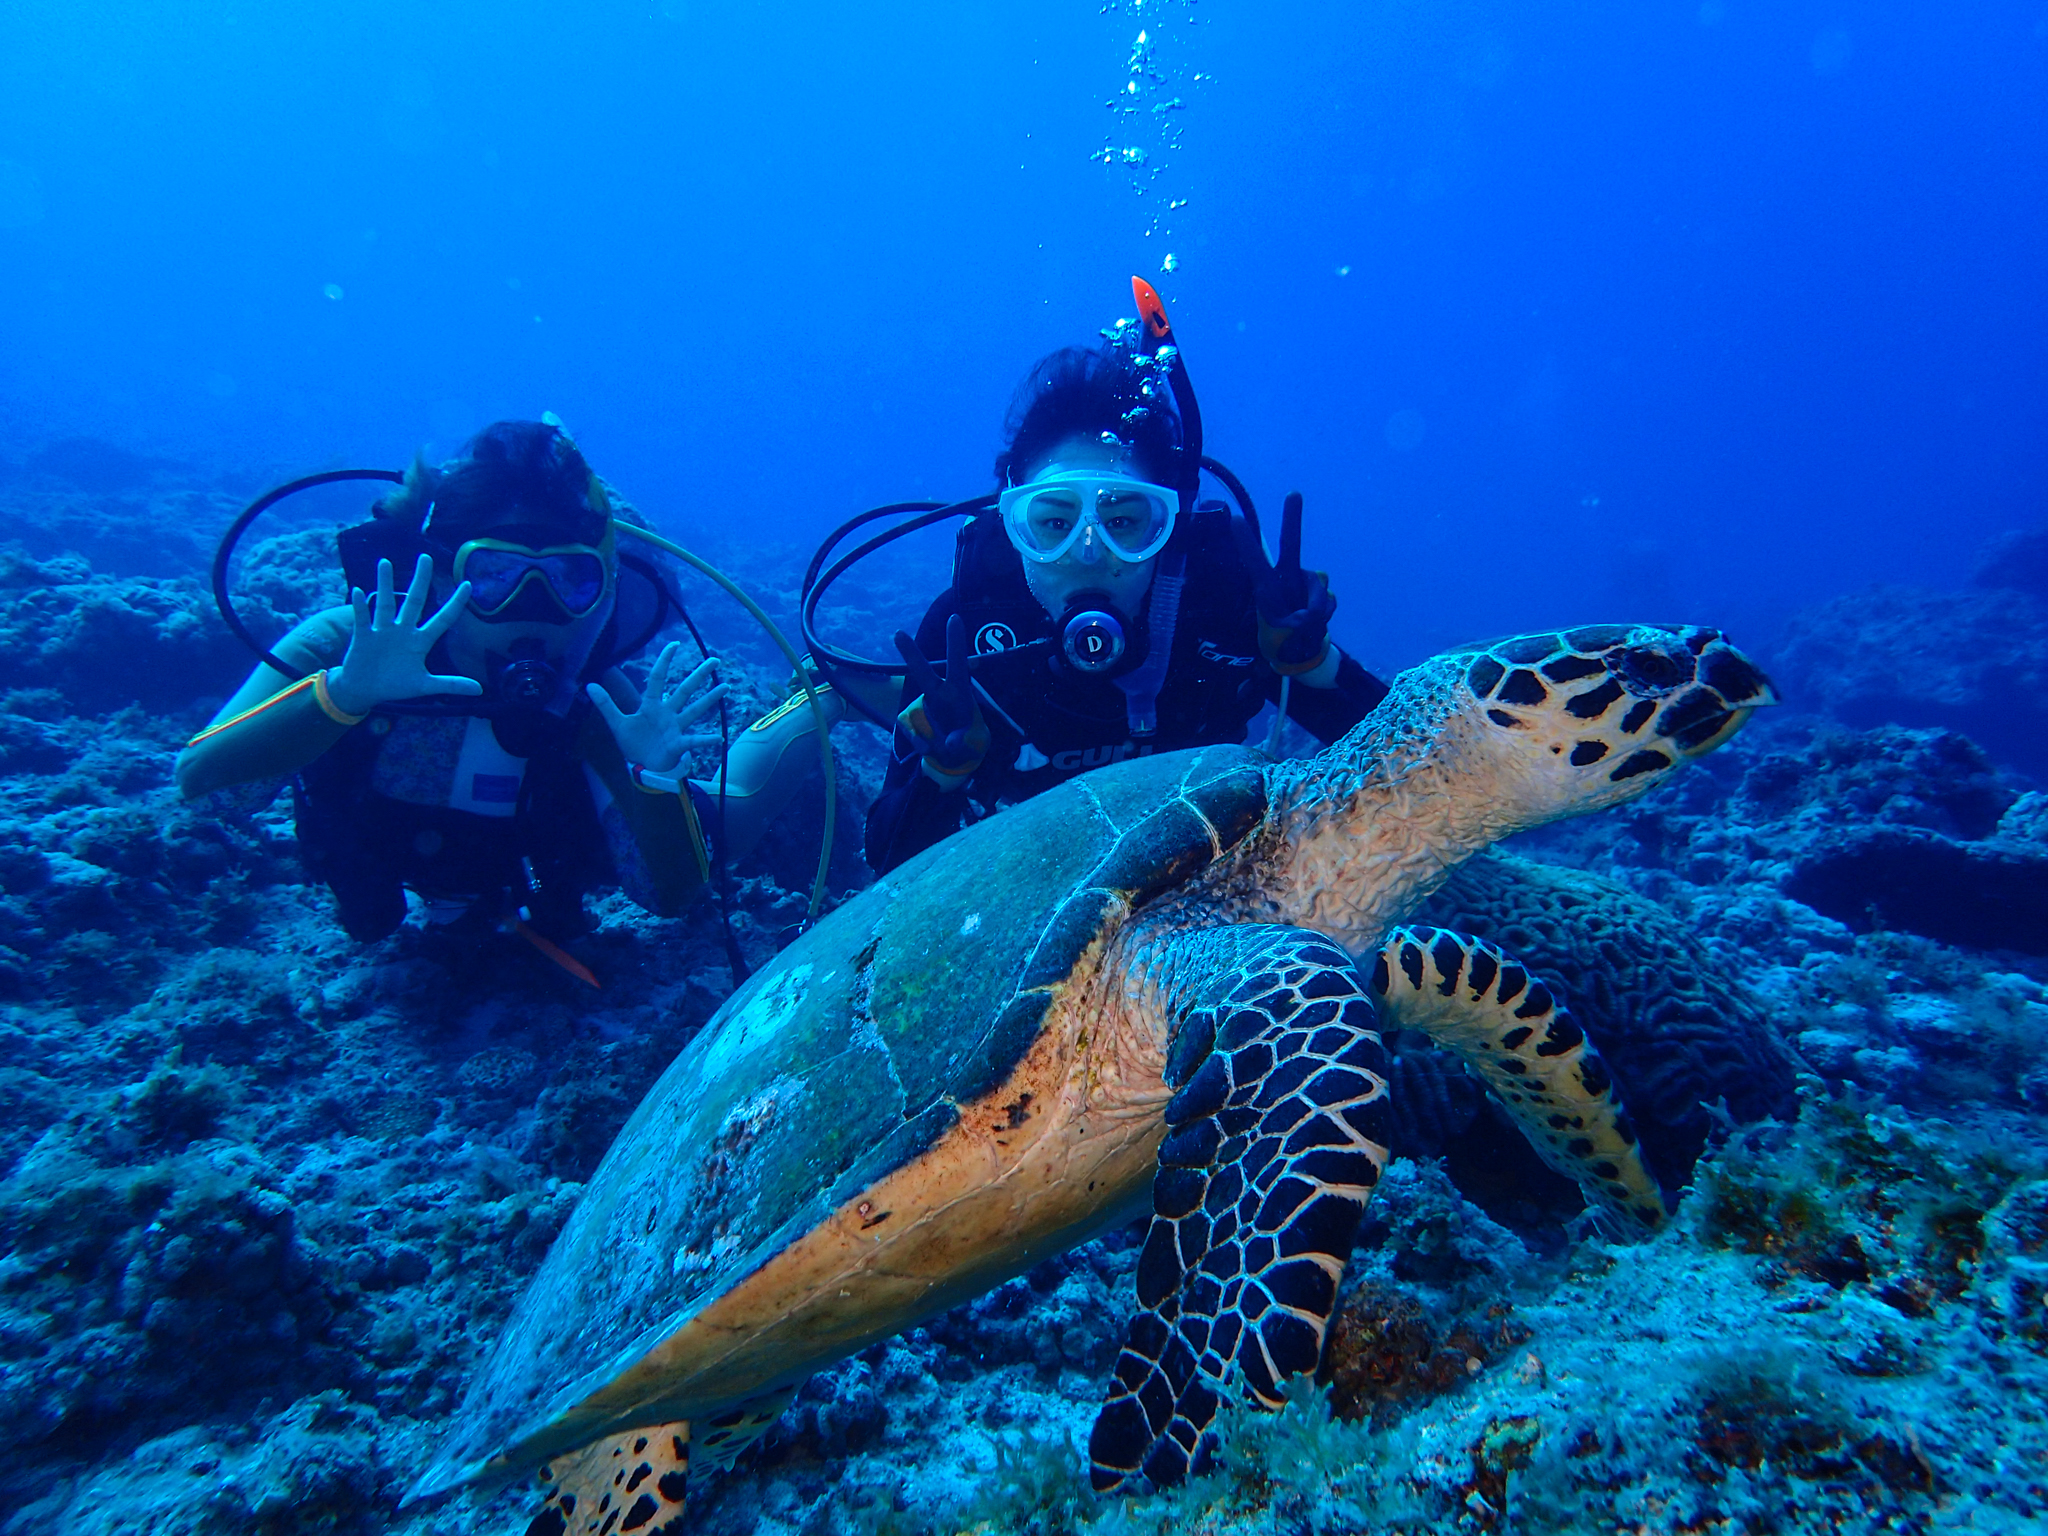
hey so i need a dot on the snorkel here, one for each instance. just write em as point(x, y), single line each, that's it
point(1159, 336)
point(871, 686)
point(1094, 589)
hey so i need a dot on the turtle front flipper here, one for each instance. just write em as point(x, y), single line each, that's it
point(1274, 1142)
point(1509, 1028)
point(632, 1484)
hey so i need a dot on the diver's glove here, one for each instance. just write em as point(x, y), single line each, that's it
point(1294, 605)
point(387, 653)
point(656, 735)
point(945, 716)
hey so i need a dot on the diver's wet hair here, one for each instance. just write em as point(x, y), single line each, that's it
point(1084, 392)
point(525, 474)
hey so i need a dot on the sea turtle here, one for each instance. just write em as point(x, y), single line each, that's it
point(1142, 981)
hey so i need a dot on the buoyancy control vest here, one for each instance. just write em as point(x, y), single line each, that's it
point(368, 845)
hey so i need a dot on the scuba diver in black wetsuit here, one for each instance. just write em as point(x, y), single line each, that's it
point(490, 757)
point(1101, 610)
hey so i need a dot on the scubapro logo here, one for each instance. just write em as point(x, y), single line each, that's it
point(991, 638)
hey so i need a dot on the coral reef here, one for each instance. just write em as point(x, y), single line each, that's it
point(1979, 664)
point(2017, 559)
point(266, 1194)
point(126, 513)
point(60, 623)
point(1980, 895)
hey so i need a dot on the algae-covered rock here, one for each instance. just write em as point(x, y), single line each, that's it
point(104, 641)
point(1979, 665)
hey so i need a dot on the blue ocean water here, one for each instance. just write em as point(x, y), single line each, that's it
point(1544, 308)
point(1710, 311)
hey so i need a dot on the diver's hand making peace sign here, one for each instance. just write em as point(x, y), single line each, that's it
point(1294, 605)
point(656, 734)
point(945, 716)
point(387, 653)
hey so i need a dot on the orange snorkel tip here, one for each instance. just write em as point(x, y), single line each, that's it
point(1152, 310)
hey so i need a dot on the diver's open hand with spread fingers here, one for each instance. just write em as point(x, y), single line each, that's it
point(945, 716)
point(657, 734)
point(387, 653)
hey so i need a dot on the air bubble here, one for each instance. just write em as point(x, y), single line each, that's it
point(1171, 264)
point(1152, 112)
point(333, 292)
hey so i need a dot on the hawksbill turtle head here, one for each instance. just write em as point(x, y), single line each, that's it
point(1574, 721)
point(1488, 740)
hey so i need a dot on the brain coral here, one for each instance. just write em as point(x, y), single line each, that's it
point(1678, 1033)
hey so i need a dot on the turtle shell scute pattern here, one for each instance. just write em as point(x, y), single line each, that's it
point(1143, 833)
point(1674, 674)
point(845, 1058)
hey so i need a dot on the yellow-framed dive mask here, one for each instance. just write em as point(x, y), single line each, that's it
point(578, 576)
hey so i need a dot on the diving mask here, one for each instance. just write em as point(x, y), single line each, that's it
point(1091, 512)
point(497, 571)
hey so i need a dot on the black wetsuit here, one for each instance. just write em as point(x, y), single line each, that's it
point(1051, 722)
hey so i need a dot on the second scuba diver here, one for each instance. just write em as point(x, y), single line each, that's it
point(1102, 612)
point(491, 757)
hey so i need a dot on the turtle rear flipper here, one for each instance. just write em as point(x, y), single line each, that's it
point(1477, 1001)
point(1274, 1142)
point(629, 1485)
point(723, 1436)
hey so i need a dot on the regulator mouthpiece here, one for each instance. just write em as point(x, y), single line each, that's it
point(1092, 638)
point(528, 679)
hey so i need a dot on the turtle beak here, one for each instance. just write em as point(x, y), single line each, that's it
point(1731, 722)
point(1728, 689)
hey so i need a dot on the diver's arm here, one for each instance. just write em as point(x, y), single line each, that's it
point(1327, 709)
point(657, 844)
point(273, 726)
point(912, 812)
point(671, 825)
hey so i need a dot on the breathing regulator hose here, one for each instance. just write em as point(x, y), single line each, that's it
point(224, 600)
